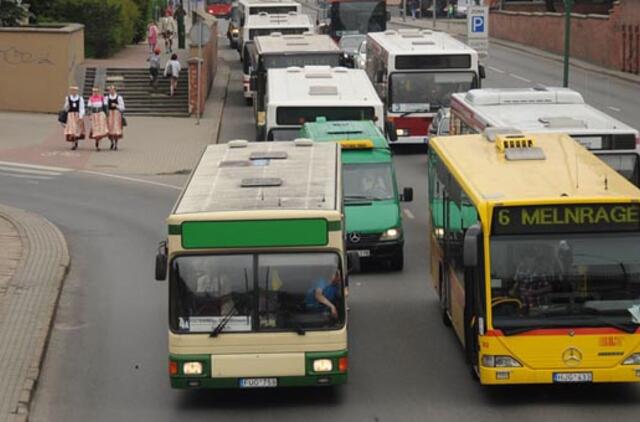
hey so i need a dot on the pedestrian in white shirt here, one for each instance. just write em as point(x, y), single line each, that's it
point(172, 70)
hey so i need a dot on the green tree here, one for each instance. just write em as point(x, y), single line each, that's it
point(11, 13)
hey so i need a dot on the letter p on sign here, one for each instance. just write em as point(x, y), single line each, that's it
point(477, 24)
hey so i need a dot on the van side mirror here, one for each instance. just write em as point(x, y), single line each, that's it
point(482, 72)
point(471, 246)
point(353, 262)
point(391, 130)
point(161, 262)
point(406, 195)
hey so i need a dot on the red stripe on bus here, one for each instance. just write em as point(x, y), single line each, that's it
point(417, 126)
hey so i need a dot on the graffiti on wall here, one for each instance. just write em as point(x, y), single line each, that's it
point(14, 56)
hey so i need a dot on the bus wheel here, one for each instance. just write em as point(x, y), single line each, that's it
point(475, 372)
point(397, 261)
point(248, 101)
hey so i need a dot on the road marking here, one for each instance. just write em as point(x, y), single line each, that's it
point(519, 77)
point(495, 69)
point(408, 213)
point(614, 108)
point(25, 176)
point(132, 179)
point(35, 167)
point(29, 171)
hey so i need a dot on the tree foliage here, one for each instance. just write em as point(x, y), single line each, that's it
point(10, 13)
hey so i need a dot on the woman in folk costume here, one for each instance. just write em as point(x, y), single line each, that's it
point(115, 108)
point(98, 117)
point(74, 106)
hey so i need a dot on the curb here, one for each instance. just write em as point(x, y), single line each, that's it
point(31, 301)
point(223, 69)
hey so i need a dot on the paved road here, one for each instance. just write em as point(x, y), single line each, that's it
point(108, 354)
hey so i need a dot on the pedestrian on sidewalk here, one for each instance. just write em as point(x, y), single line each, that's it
point(172, 71)
point(74, 127)
point(98, 117)
point(152, 36)
point(450, 11)
point(168, 30)
point(413, 4)
point(115, 119)
point(154, 68)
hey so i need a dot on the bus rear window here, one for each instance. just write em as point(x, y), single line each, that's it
point(267, 31)
point(272, 10)
point(299, 115)
point(286, 60)
point(449, 61)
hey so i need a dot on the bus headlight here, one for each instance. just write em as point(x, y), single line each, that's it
point(634, 359)
point(322, 365)
point(192, 368)
point(391, 234)
point(402, 132)
point(499, 361)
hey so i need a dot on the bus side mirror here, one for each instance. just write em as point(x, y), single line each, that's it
point(353, 262)
point(482, 72)
point(392, 133)
point(471, 246)
point(161, 262)
point(406, 195)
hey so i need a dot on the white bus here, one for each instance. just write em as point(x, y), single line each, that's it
point(278, 51)
point(247, 8)
point(540, 109)
point(296, 95)
point(265, 24)
point(415, 72)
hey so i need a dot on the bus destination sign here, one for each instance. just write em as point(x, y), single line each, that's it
point(570, 218)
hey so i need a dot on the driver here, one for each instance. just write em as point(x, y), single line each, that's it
point(532, 278)
point(374, 186)
point(324, 294)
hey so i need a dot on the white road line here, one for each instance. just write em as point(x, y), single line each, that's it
point(29, 171)
point(36, 167)
point(25, 176)
point(132, 179)
point(408, 213)
point(614, 108)
point(495, 69)
point(519, 77)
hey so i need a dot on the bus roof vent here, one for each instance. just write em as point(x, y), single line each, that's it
point(426, 32)
point(518, 147)
point(268, 155)
point(234, 163)
point(423, 42)
point(296, 43)
point(294, 69)
point(562, 123)
point(303, 142)
point(318, 74)
point(323, 90)
point(261, 182)
point(491, 133)
point(238, 143)
point(293, 37)
point(416, 35)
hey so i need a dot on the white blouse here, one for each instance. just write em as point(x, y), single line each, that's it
point(113, 97)
point(74, 98)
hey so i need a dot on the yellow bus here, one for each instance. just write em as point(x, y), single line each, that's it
point(256, 263)
point(535, 255)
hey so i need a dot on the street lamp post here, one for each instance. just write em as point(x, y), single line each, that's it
point(568, 5)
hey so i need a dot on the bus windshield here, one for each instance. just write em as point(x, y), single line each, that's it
point(426, 91)
point(568, 280)
point(255, 292)
point(357, 17)
point(369, 182)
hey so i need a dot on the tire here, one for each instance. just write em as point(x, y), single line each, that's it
point(248, 101)
point(397, 261)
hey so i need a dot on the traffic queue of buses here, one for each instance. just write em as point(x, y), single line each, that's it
point(535, 240)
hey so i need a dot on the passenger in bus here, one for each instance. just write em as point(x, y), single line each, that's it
point(324, 294)
point(532, 278)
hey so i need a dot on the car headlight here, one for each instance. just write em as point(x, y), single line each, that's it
point(391, 234)
point(402, 132)
point(634, 359)
point(499, 361)
point(192, 368)
point(322, 365)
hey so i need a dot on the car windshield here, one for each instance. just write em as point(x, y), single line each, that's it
point(368, 182)
point(351, 43)
point(565, 281)
point(426, 91)
point(265, 292)
point(357, 17)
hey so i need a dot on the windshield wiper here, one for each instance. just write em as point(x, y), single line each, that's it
point(424, 110)
point(359, 197)
point(223, 323)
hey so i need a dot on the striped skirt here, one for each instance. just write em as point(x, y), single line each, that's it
point(114, 122)
point(99, 127)
point(74, 126)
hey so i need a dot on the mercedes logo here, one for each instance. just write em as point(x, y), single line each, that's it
point(572, 356)
point(354, 237)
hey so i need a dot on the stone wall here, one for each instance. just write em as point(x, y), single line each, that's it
point(37, 65)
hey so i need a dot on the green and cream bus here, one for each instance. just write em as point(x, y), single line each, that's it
point(256, 263)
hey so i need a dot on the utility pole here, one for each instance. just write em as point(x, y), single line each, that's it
point(404, 10)
point(568, 6)
point(435, 7)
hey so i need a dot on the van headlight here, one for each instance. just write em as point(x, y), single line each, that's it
point(192, 368)
point(634, 359)
point(391, 234)
point(499, 361)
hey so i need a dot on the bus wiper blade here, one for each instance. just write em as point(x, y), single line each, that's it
point(223, 323)
point(407, 113)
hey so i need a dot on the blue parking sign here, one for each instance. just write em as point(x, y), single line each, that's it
point(477, 24)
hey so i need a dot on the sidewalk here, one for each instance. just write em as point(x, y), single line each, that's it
point(33, 263)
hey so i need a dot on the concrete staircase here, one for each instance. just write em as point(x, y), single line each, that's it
point(89, 81)
point(141, 99)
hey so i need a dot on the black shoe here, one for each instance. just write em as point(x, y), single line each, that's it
point(75, 146)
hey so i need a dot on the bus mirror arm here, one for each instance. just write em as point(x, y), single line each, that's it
point(161, 262)
point(482, 72)
point(472, 245)
point(353, 262)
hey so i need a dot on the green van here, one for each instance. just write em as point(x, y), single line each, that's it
point(371, 196)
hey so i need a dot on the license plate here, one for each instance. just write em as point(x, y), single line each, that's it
point(364, 253)
point(258, 382)
point(572, 377)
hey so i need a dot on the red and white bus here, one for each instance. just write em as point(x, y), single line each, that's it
point(415, 72)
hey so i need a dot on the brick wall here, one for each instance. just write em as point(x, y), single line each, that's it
point(208, 68)
point(605, 40)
